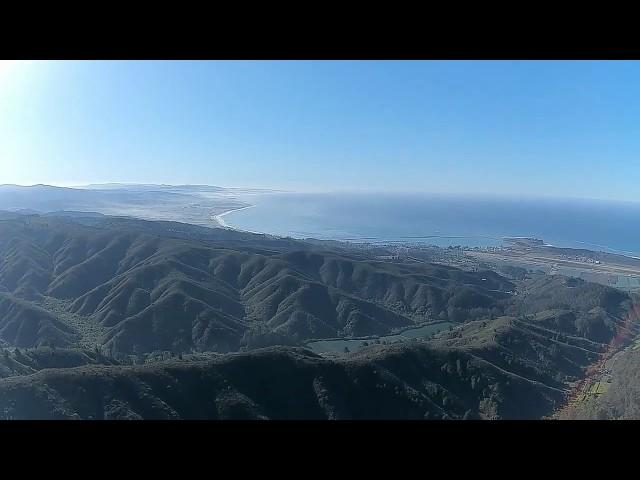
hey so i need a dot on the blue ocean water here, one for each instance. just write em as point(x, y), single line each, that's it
point(444, 219)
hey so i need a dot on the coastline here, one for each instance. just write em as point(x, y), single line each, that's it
point(220, 221)
point(411, 239)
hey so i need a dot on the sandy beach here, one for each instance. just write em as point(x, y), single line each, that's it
point(220, 221)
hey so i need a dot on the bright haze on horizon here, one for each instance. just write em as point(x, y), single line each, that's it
point(563, 128)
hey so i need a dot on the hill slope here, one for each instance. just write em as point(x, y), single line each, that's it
point(152, 291)
point(397, 382)
point(25, 325)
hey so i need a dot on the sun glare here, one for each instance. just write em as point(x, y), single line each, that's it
point(6, 66)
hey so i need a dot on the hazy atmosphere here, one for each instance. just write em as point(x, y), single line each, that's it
point(538, 128)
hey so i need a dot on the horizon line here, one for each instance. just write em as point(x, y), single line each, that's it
point(85, 186)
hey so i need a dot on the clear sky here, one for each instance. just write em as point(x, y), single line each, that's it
point(555, 128)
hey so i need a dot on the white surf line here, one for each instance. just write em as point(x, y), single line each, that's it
point(218, 218)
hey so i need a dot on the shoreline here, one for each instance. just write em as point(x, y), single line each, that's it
point(407, 240)
point(222, 224)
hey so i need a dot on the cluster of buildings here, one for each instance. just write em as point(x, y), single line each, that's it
point(486, 249)
point(579, 258)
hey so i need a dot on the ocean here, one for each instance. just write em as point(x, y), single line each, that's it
point(444, 220)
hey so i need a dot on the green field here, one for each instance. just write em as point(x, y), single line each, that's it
point(338, 345)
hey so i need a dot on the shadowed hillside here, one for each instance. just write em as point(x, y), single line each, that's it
point(16, 361)
point(154, 292)
point(499, 369)
point(25, 325)
point(399, 382)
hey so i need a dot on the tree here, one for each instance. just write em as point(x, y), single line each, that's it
point(346, 349)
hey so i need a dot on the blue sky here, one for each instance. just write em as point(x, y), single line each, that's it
point(551, 128)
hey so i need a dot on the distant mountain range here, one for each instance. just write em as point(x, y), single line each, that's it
point(194, 189)
point(195, 204)
point(152, 187)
